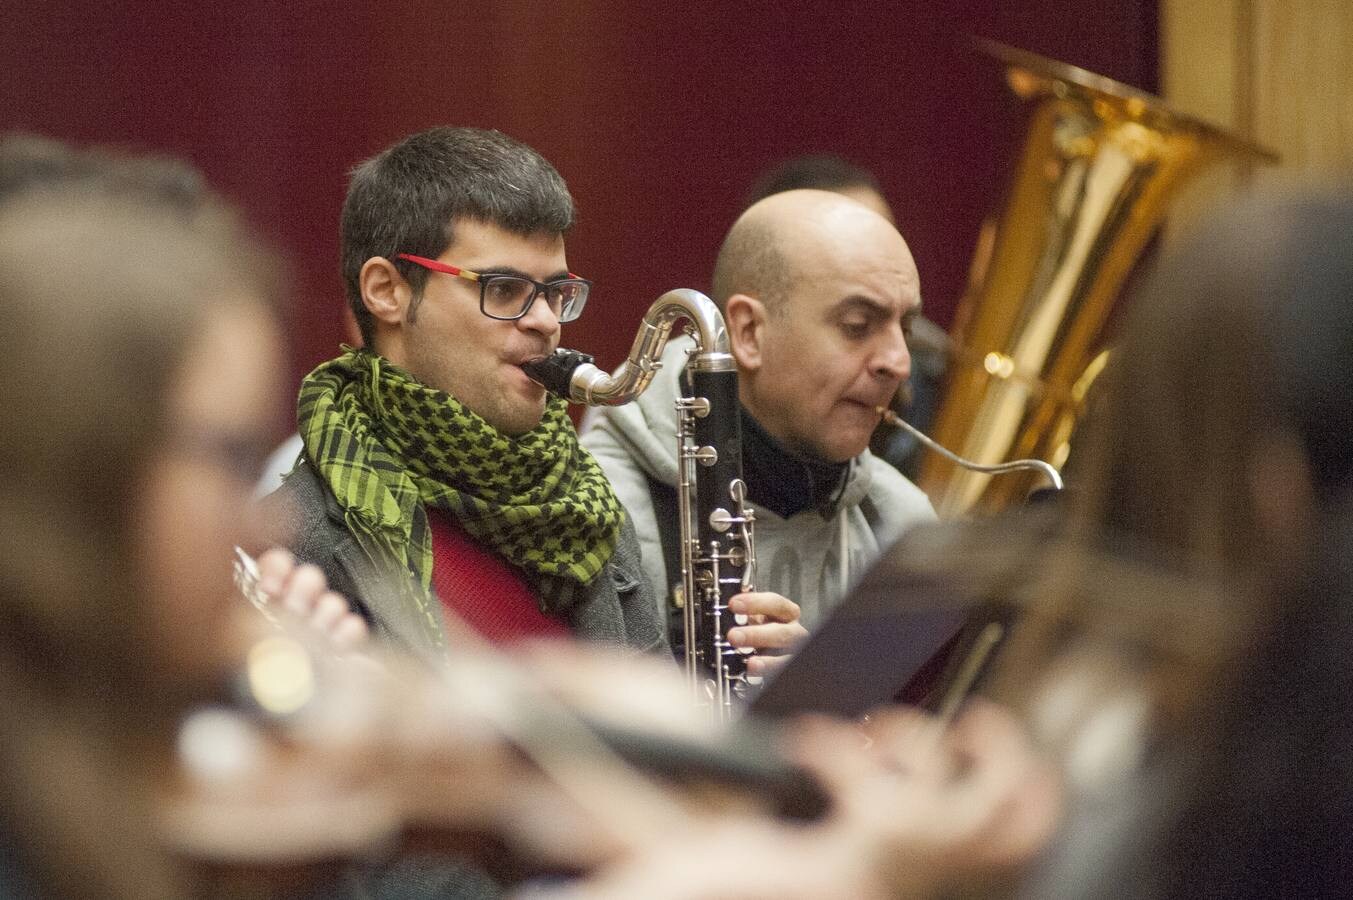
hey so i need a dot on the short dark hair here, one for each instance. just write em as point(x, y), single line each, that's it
point(408, 199)
point(820, 173)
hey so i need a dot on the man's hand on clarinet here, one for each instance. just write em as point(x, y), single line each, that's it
point(772, 628)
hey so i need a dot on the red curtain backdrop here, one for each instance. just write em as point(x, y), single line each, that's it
point(659, 115)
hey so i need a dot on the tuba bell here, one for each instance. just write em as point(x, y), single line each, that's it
point(1100, 163)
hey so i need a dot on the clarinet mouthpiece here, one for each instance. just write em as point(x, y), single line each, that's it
point(555, 371)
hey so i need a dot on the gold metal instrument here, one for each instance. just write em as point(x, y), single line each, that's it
point(1100, 163)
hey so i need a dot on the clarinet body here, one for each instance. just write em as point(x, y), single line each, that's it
point(718, 556)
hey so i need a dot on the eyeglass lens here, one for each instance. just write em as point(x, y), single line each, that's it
point(508, 297)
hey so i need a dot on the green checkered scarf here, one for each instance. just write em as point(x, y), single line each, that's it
point(387, 444)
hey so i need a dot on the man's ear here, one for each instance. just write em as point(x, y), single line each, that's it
point(384, 291)
point(745, 318)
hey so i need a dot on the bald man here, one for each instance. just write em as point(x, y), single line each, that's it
point(817, 291)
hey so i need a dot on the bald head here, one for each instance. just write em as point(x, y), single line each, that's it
point(787, 236)
point(817, 292)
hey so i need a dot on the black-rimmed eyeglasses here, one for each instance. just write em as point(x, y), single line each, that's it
point(509, 297)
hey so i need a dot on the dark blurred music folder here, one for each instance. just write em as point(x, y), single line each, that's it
point(895, 629)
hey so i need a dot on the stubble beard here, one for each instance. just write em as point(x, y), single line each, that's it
point(509, 413)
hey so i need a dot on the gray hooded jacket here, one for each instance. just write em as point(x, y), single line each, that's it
point(799, 557)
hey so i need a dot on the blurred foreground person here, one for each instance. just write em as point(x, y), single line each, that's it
point(918, 811)
point(143, 362)
point(1222, 446)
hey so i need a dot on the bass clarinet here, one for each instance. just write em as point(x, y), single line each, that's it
point(718, 556)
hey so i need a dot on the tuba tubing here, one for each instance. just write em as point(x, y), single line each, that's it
point(1048, 470)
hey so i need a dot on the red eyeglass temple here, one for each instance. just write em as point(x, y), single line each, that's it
point(443, 267)
point(436, 266)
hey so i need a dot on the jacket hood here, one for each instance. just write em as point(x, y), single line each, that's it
point(646, 429)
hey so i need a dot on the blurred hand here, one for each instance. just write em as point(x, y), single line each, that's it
point(917, 810)
point(937, 805)
point(302, 591)
point(735, 856)
point(772, 626)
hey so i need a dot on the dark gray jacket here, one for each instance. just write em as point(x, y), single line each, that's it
point(618, 607)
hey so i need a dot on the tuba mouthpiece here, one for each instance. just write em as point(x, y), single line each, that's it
point(1047, 470)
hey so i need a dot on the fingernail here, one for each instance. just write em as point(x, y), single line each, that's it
point(737, 605)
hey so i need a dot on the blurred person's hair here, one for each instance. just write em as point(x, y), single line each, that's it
point(409, 198)
point(1168, 581)
point(109, 271)
point(1235, 337)
point(1270, 807)
point(822, 172)
point(1271, 800)
point(1236, 346)
point(31, 162)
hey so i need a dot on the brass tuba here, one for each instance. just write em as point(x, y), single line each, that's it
point(1100, 163)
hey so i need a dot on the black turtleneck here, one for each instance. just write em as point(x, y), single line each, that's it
point(783, 481)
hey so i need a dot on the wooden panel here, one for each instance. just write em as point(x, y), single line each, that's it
point(1277, 72)
point(1303, 83)
point(1204, 67)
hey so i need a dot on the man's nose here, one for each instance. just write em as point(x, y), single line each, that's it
point(540, 317)
point(891, 358)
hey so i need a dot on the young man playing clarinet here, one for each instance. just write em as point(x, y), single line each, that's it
point(437, 477)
